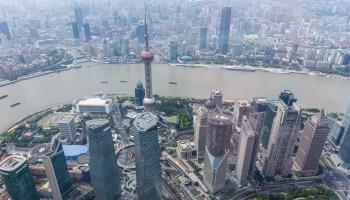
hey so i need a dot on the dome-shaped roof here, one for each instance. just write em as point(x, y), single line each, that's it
point(210, 103)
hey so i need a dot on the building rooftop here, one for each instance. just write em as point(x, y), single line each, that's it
point(145, 121)
point(186, 145)
point(96, 123)
point(66, 119)
point(246, 128)
point(261, 100)
point(94, 101)
point(74, 150)
point(12, 163)
point(242, 102)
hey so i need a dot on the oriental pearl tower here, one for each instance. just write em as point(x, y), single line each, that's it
point(147, 57)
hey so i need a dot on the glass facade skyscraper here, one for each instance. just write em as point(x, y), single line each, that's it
point(17, 178)
point(225, 25)
point(139, 93)
point(104, 171)
point(148, 169)
point(56, 170)
point(345, 143)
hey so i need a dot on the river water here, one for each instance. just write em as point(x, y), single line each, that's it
point(50, 90)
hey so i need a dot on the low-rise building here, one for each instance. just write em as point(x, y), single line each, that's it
point(186, 150)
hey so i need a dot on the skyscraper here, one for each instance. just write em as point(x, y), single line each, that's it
point(87, 32)
point(345, 143)
point(78, 14)
point(225, 25)
point(245, 152)
point(148, 169)
point(17, 178)
point(147, 57)
point(216, 151)
point(140, 33)
point(311, 144)
point(217, 96)
point(242, 108)
point(4, 28)
point(259, 104)
point(203, 37)
point(256, 121)
point(201, 126)
point(104, 171)
point(76, 30)
point(173, 51)
point(67, 128)
point(56, 170)
point(285, 128)
point(139, 93)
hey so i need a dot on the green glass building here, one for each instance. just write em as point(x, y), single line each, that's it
point(18, 180)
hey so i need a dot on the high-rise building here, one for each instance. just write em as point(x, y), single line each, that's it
point(259, 104)
point(87, 32)
point(56, 170)
point(257, 123)
point(67, 128)
point(242, 108)
point(201, 127)
point(245, 151)
point(17, 178)
point(76, 30)
point(139, 93)
point(284, 133)
point(105, 177)
point(203, 37)
point(225, 25)
point(217, 96)
point(173, 51)
point(311, 144)
point(78, 14)
point(270, 115)
point(148, 169)
point(140, 33)
point(345, 143)
point(337, 133)
point(147, 57)
point(217, 151)
point(4, 28)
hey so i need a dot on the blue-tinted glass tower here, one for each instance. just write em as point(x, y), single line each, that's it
point(148, 169)
point(224, 34)
point(104, 171)
point(139, 93)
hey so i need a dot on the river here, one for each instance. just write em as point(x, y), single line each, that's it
point(50, 90)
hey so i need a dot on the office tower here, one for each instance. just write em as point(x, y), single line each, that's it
point(104, 171)
point(259, 104)
point(140, 33)
point(87, 32)
point(139, 93)
point(287, 97)
point(245, 151)
point(284, 133)
point(83, 119)
point(76, 30)
point(148, 170)
point(270, 116)
point(337, 133)
point(217, 96)
point(256, 121)
point(293, 53)
point(147, 57)
point(345, 143)
point(4, 28)
point(216, 151)
point(201, 126)
point(78, 14)
point(242, 108)
point(67, 128)
point(173, 50)
point(224, 30)
point(56, 170)
point(125, 47)
point(311, 144)
point(17, 178)
point(203, 37)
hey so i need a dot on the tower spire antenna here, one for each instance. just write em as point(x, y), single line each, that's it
point(146, 30)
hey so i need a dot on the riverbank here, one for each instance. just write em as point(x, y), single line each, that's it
point(270, 70)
